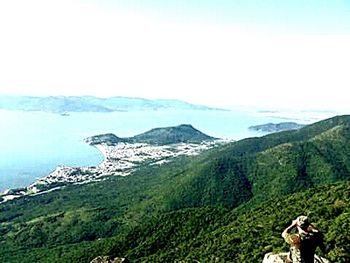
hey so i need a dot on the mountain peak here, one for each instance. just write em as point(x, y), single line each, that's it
point(184, 133)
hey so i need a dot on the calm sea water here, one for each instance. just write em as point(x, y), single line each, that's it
point(32, 144)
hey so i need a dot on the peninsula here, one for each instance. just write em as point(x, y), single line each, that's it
point(122, 156)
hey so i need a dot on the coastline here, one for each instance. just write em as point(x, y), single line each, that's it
point(61, 171)
point(119, 160)
point(34, 153)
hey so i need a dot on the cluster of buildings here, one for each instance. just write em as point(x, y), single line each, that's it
point(120, 160)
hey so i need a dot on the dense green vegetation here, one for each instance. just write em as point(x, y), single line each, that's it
point(206, 234)
point(217, 235)
point(228, 204)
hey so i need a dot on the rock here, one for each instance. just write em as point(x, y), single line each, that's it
point(275, 258)
point(107, 259)
point(281, 258)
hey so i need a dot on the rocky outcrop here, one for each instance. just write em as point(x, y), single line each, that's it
point(281, 258)
point(107, 259)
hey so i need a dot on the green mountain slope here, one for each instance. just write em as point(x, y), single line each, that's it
point(209, 234)
point(271, 166)
point(244, 235)
point(215, 205)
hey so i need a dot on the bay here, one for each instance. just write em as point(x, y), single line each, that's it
point(32, 144)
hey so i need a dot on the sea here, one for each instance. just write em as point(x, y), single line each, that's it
point(33, 144)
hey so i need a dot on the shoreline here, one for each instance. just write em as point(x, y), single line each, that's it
point(31, 189)
point(119, 160)
point(27, 170)
point(60, 137)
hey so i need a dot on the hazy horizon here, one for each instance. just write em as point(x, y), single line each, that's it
point(216, 53)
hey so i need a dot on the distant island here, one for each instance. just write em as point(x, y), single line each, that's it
point(276, 127)
point(65, 104)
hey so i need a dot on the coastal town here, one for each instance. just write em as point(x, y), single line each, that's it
point(119, 160)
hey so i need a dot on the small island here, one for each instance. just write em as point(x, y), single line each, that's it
point(276, 127)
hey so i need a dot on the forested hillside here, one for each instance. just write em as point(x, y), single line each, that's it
point(228, 204)
point(211, 234)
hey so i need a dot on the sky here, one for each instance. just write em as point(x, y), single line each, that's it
point(289, 54)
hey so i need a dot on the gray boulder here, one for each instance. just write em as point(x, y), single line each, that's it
point(281, 258)
point(107, 259)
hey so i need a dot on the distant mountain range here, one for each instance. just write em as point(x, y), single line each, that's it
point(64, 104)
point(276, 127)
point(184, 133)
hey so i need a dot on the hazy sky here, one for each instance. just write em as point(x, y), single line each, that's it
point(215, 52)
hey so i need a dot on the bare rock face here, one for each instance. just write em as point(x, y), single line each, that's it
point(281, 258)
point(275, 258)
point(107, 259)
